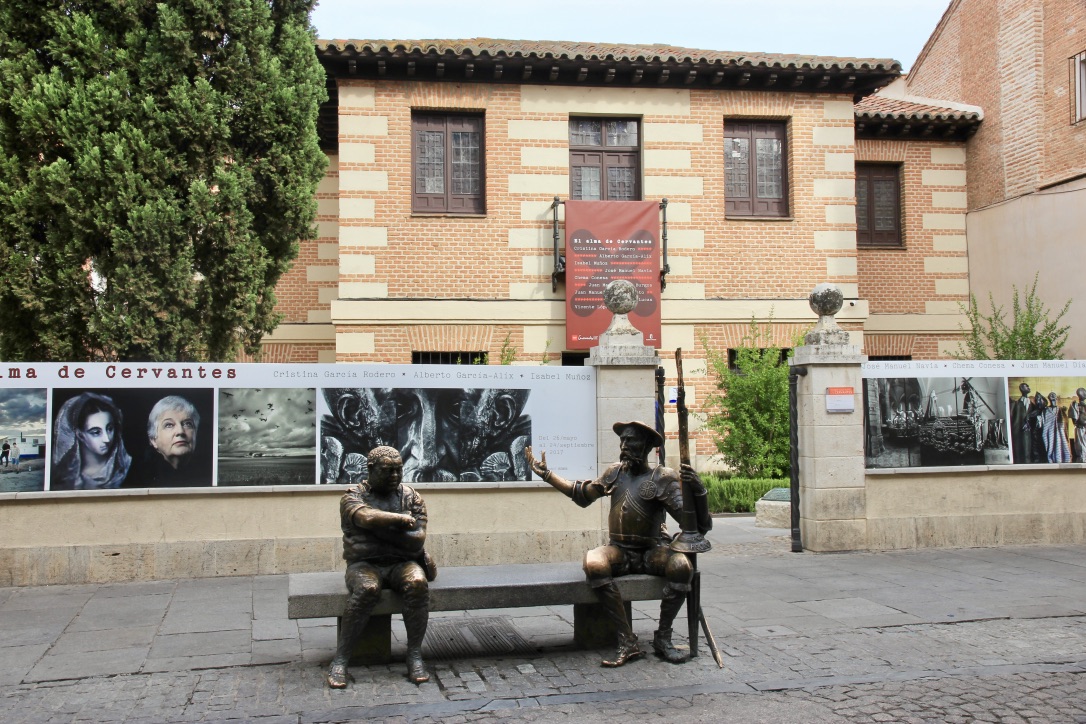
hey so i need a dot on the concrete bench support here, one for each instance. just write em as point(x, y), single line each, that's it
point(470, 588)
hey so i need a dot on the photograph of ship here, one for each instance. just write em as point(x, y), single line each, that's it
point(935, 421)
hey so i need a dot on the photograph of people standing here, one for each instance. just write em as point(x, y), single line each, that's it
point(1048, 427)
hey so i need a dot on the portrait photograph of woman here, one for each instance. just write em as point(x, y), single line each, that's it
point(88, 449)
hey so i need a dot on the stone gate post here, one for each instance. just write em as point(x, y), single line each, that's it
point(625, 373)
point(829, 411)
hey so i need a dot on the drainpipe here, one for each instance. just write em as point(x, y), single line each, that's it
point(794, 373)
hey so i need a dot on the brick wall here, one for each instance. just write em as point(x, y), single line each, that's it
point(305, 292)
point(928, 274)
point(506, 255)
point(1064, 142)
point(1011, 58)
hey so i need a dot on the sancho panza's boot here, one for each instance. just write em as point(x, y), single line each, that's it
point(415, 620)
point(661, 638)
point(628, 648)
point(351, 626)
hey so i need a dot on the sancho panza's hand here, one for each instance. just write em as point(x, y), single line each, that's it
point(691, 480)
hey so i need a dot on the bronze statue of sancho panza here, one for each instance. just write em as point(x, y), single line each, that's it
point(641, 494)
point(384, 530)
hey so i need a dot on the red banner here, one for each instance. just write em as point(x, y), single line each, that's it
point(608, 240)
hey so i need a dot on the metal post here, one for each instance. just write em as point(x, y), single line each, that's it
point(794, 373)
point(665, 269)
point(559, 260)
point(662, 450)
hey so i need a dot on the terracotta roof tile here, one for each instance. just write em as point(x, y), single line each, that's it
point(877, 106)
point(558, 49)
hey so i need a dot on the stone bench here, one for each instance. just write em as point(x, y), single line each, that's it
point(470, 588)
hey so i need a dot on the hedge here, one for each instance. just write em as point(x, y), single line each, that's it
point(738, 495)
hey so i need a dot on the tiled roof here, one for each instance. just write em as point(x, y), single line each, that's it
point(884, 116)
point(877, 106)
point(563, 50)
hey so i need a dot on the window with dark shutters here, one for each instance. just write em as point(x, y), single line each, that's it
point(878, 204)
point(755, 168)
point(447, 163)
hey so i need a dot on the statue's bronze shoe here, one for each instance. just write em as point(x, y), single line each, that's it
point(416, 670)
point(337, 676)
point(662, 646)
point(628, 650)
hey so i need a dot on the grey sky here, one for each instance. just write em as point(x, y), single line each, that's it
point(849, 28)
point(22, 410)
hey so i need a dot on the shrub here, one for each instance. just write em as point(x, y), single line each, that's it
point(1033, 333)
point(737, 495)
point(750, 421)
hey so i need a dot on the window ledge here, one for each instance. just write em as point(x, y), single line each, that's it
point(417, 215)
point(760, 218)
point(881, 247)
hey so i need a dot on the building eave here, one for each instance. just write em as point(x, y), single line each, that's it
point(558, 63)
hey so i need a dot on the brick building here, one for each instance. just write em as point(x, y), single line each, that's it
point(1024, 63)
point(399, 273)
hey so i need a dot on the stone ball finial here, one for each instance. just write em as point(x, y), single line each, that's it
point(620, 296)
point(826, 300)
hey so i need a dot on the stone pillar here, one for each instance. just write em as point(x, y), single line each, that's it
point(625, 373)
point(832, 500)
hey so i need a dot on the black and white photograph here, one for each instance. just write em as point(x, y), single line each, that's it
point(22, 432)
point(131, 438)
point(935, 421)
point(267, 436)
point(443, 434)
point(1048, 419)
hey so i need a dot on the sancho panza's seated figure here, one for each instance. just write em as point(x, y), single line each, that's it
point(384, 529)
point(639, 543)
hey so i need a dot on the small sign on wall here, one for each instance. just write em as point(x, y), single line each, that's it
point(840, 399)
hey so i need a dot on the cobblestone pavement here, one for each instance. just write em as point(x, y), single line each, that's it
point(910, 636)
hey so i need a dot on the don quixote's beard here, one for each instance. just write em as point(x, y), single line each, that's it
point(630, 461)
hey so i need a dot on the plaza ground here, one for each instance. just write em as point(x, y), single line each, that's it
point(979, 634)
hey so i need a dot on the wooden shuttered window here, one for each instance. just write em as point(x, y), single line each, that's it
point(447, 164)
point(604, 159)
point(755, 168)
point(878, 204)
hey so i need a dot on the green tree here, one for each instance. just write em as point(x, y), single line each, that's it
point(749, 420)
point(1031, 333)
point(158, 163)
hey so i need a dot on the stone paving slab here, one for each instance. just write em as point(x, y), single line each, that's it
point(121, 612)
point(54, 667)
point(128, 590)
point(276, 628)
point(202, 644)
point(196, 621)
point(75, 642)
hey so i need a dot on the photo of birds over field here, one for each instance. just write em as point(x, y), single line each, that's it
point(267, 436)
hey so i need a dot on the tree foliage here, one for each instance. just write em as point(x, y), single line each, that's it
point(1031, 333)
point(749, 417)
point(158, 165)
